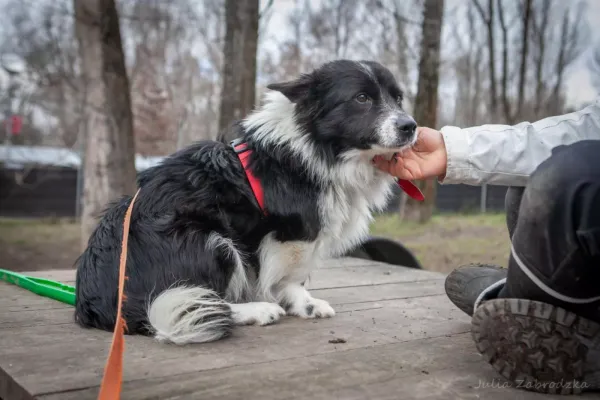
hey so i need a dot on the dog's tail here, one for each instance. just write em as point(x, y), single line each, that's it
point(194, 314)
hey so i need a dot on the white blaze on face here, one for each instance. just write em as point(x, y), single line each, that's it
point(386, 131)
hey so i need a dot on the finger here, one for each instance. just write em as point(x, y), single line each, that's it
point(396, 167)
point(382, 164)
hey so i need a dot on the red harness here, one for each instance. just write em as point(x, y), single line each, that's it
point(241, 149)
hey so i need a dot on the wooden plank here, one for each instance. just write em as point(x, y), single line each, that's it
point(68, 275)
point(19, 299)
point(386, 291)
point(404, 339)
point(29, 318)
point(368, 275)
point(40, 361)
point(61, 275)
point(300, 377)
point(461, 382)
point(16, 307)
point(421, 369)
point(354, 275)
point(26, 309)
point(60, 316)
point(352, 262)
point(10, 389)
point(333, 273)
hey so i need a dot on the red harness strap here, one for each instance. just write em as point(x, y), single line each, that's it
point(241, 148)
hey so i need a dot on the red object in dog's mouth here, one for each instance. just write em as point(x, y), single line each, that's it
point(411, 189)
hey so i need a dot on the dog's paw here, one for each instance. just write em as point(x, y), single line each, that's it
point(257, 313)
point(312, 308)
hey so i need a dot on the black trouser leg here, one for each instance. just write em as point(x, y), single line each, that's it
point(554, 224)
point(512, 202)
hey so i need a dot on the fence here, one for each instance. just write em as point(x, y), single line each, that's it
point(52, 192)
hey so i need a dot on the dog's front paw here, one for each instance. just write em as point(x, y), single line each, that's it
point(312, 308)
point(257, 313)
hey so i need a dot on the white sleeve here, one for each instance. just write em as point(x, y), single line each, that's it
point(507, 155)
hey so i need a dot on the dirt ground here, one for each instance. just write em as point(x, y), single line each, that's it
point(440, 245)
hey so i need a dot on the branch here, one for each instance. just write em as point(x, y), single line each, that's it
point(506, 105)
point(266, 9)
point(481, 12)
point(396, 14)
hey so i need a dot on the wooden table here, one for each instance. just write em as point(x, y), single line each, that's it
point(401, 339)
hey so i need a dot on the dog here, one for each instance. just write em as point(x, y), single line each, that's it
point(204, 256)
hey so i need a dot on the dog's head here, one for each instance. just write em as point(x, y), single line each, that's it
point(350, 105)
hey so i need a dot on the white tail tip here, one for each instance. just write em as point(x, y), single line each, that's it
point(184, 315)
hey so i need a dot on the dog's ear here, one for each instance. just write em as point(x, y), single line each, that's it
point(295, 90)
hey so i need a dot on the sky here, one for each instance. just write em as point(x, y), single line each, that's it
point(578, 87)
point(577, 84)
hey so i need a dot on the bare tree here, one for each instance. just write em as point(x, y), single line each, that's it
point(239, 67)
point(165, 78)
point(570, 41)
point(109, 168)
point(291, 58)
point(426, 102)
point(529, 46)
point(488, 18)
point(510, 113)
point(539, 37)
point(43, 38)
point(526, 21)
point(394, 48)
point(505, 50)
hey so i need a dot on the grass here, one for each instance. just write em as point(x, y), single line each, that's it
point(448, 241)
point(441, 245)
point(38, 244)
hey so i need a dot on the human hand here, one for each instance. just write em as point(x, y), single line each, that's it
point(426, 159)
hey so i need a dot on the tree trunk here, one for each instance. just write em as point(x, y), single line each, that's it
point(524, 57)
point(556, 103)
point(238, 90)
point(540, 41)
point(109, 160)
point(426, 101)
point(489, 21)
point(504, 79)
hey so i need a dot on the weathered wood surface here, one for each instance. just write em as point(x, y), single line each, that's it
point(404, 340)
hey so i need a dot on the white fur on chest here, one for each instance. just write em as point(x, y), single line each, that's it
point(346, 211)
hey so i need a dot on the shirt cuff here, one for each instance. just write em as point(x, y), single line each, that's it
point(458, 164)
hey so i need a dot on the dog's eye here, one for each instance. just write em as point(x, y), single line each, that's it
point(362, 98)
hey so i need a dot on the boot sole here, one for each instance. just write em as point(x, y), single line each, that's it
point(539, 347)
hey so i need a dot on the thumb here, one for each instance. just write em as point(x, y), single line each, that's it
point(395, 167)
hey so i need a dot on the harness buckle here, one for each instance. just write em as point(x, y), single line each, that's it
point(239, 146)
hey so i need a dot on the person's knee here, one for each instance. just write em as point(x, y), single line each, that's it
point(567, 163)
point(569, 168)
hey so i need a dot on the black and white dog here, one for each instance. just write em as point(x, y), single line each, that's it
point(203, 256)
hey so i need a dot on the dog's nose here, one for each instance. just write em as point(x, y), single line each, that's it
point(406, 125)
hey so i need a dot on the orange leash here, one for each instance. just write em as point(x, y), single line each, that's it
point(110, 388)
